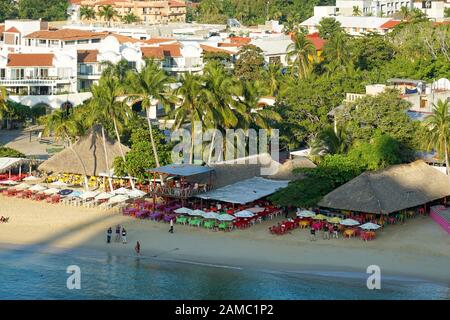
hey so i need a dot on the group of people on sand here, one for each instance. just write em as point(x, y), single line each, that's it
point(4, 219)
point(121, 236)
point(329, 230)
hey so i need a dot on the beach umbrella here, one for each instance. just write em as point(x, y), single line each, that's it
point(306, 214)
point(88, 194)
point(22, 186)
point(211, 215)
point(9, 182)
point(31, 179)
point(51, 191)
point(349, 222)
point(370, 226)
point(37, 187)
point(66, 192)
point(121, 190)
point(183, 210)
point(136, 193)
point(319, 217)
point(58, 184)
point(244, 214)
point(256, 209)
point(334, 220)
point(225, 217)
point(197, 213)
point(104, 196)
point(118, 198)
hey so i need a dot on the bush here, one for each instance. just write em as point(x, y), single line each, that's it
point(9, 152)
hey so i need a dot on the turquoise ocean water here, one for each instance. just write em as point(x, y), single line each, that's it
point(27, 274)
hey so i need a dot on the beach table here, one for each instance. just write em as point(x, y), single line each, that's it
point(182, 220)
point(195, 222)
point(209, 224)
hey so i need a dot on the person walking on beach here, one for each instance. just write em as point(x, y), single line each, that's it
point(335, 231)
point(124, 236)
point(171, 226)
point(326, 232)
point(118, 229)
point(108, 235)
point(137, 248)
point(313, 234)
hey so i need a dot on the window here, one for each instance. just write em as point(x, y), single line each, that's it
point(95, 40)
point(275, 60)
point(2, 73)
point(42, 42)
point(69, 43)
point(84, 41)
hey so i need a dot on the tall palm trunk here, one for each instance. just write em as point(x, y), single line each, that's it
point(152, 140)
point(213, 139)
point(116, 129)
point(107, 160)
point(191, 160)
point(446, 156)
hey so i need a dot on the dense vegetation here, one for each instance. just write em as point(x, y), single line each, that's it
point(48, 10)
point(8, 152)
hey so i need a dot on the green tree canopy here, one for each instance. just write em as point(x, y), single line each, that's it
point(47, 10)
point(250, 63)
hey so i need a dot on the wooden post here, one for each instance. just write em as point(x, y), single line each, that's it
point(154, 191)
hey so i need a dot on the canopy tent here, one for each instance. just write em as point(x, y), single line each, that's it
point(181, 170)
point(245, 191)
point(7, 164)
point(91, 150)
point(390, 190)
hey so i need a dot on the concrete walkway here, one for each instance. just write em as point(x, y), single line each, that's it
point(20, 141)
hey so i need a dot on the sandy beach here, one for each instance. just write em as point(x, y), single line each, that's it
point(418, 248)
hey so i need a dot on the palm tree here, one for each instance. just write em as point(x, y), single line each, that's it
point(118, 70)
point(356, 11)
point(108, 13)
point(404, 13)
point(336, 50)
point(247, 109)
point(107, 106)
point(329, 141)
point(130, 18)
point(87, 13)
point(299, 53)
point(5, 108)
point(273, 77)
point(190, 108)
point(150, 86)
point(218, 91)
point(438, 133)
point(66, 128)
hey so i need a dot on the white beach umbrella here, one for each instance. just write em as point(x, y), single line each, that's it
point(88, 194)
point(59, 184)
point(349, 222)
point(118, 198)
point(370, 226)
point(306, 214)
point(31, 179)
point(37, 187)
point(9, 182)
point(211, 215)
point(51, 191)
point(256, 209)
point(121, 190)
point(244, 214)
point(22, 186)
point(183, 210)
point(104, 196)
point(197, 213)
point(136, 193)
point(225, 217)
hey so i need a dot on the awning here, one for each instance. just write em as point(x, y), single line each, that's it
point(10, 163)
point(245, 191)
point(182, 170)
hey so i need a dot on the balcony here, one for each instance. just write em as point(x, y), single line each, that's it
point(41, 81)
point(352, 97)
point(177, 68)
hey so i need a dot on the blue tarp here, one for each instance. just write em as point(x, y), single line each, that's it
point(182, 170)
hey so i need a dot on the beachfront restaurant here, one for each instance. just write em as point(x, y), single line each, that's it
point(389, 196)
point(13, 169)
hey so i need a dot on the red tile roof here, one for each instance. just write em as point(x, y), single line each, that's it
point(174, 4)
point(30, 60)
point(12, 30)
point(166, 50)
point(317, 41)
point(66, 34)
point(87, 56)
point(243, 40)
point(390, 24)
point(207, 48)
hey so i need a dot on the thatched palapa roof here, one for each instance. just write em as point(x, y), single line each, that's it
point(91, 150)
point(395, 188)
